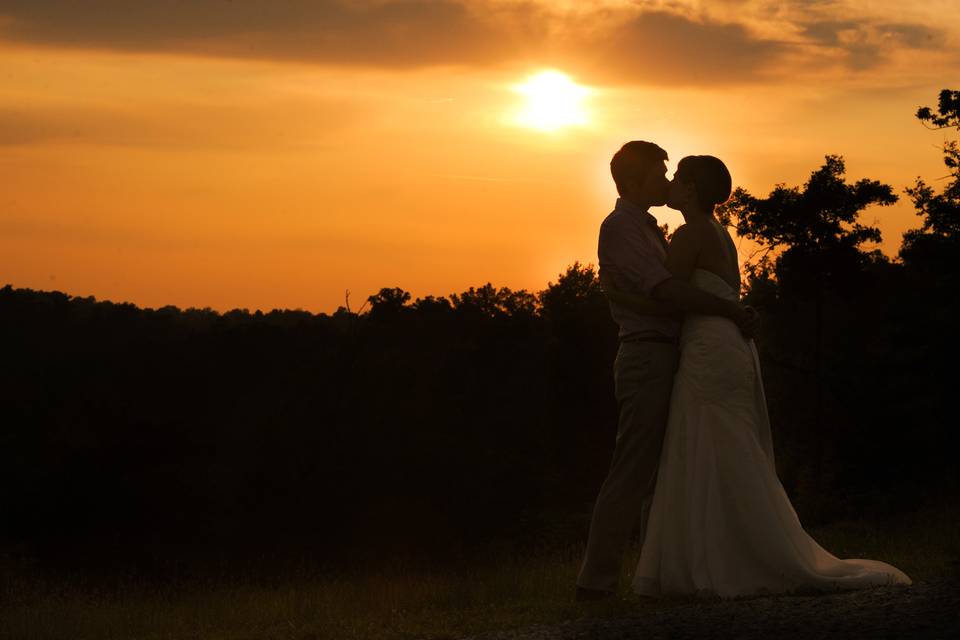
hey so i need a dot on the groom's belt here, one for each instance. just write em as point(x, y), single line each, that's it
point(646, 337)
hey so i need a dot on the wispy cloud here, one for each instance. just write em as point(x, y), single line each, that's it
point(177, 125)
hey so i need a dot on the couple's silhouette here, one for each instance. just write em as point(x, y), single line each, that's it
point(693, 463)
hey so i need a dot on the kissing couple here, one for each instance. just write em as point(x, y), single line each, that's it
point(693, 464)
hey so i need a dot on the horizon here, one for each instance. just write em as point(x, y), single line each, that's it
point(268, 157)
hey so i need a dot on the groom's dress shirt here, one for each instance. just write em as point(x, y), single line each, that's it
point(632, 245)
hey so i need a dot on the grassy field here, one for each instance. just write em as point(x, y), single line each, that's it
point(404, 603)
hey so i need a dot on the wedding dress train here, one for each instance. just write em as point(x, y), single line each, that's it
point(720, 522)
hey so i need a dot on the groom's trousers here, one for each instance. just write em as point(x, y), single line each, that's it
point(643, 379)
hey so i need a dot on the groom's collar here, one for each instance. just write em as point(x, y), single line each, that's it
point(634, 209)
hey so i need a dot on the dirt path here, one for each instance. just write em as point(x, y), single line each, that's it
point(927, 609)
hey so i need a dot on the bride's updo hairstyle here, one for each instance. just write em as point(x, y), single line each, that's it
point(710, 178)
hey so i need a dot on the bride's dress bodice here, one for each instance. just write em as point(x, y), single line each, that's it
point(719, 365)
point(712, 283)
point(711, 327)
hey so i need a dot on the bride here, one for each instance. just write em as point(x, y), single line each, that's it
point(720, 522)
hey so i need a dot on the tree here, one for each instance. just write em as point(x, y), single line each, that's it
point(574, 290)
point(821, 219)
point(933, 246)
point(432, 304)
point(490, 302)
point(389, 302)
point(811, 242)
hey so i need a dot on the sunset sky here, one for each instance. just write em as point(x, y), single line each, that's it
point(275, 153)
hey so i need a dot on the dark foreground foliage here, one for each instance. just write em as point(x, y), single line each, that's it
point(439, 426)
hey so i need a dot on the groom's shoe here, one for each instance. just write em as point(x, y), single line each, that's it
point(593, 595)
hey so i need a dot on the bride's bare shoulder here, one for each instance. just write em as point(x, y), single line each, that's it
point(694, 231)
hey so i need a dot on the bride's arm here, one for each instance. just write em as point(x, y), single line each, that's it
point(681, 261)
point(683, 252)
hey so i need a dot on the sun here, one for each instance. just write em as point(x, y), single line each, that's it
point(553, 101)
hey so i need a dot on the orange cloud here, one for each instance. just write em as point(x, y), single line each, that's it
point(391, 34)
point(865, 44)
point(680, 46)
point(658, 47)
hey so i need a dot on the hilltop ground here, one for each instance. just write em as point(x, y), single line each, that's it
point(928, 609)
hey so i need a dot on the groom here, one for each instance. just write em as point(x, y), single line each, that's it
point(632, 252)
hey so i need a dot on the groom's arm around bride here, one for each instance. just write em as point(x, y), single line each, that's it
point(673, 297)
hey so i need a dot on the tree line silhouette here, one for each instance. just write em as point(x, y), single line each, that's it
point(439, 426)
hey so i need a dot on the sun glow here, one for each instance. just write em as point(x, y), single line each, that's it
point(553, 101)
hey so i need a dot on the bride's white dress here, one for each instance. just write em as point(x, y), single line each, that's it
point(720, 522)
